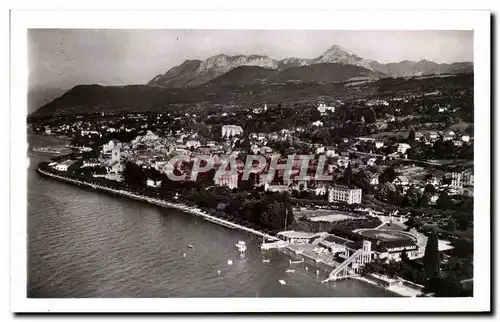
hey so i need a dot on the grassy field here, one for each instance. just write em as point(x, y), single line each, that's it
point(385, 235)
point(403, 134)
point(393, 226)
point(323, 213)
point(460, 126)
point(331, 218)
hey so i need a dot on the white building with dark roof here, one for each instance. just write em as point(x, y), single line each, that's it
point(338, 193)
point(63, 166)
point(296, 237)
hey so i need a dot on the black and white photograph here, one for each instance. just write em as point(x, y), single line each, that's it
point(324, 164)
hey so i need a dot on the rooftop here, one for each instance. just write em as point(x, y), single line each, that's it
point(67, 162)
point(296, 234)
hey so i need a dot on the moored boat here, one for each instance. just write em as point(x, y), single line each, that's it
point(242, 246)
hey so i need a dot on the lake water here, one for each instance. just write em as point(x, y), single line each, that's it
point(83, 243)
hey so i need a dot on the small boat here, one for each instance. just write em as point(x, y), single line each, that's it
point(229, 262)
point(218, 272)
point(282, 282)
point(242, 246)
point(266, 261)
point(190, 246)
point(296, 262)
point(290, 271)
point(184, 255)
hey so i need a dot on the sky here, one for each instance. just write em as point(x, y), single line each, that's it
point(63, 58)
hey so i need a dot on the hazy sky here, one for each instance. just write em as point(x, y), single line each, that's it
point(65, 58)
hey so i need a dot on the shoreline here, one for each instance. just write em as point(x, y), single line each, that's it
point(207, 217)
point(403, 291)
point(162, 203)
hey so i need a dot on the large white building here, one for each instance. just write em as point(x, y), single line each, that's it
point(338, 193)
point(227, 180)
point(461, 179)
point(231, 130)
point(322, 108)
point(111, 145)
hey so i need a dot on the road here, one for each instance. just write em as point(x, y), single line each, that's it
point(402, 159)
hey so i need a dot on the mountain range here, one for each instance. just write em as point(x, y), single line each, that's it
point(335, 64)
point(223, 79)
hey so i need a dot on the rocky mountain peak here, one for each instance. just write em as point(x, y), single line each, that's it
point(337, 54)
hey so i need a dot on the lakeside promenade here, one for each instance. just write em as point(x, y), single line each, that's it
point(312, 259)
point(161, 203)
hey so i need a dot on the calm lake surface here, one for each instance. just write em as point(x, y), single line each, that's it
point(89, 244)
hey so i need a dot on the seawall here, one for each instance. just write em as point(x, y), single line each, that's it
point(159, 202)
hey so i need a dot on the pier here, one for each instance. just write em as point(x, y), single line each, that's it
point(274, 245)
point(353, 264)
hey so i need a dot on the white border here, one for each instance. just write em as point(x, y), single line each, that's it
point(479, 21)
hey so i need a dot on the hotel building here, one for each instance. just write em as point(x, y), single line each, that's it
point(338, 193)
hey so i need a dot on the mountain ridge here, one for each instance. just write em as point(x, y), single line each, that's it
point(192, 73)
point(88, 99)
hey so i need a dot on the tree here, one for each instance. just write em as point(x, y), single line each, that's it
point(470, 130)
point(371, 116)
point(347, 178)
point(431, 256)
point(404, 257)
point(444, 287)
point(276, 215)
point(412, 197)
point(444, 201)
point(388, 175)
point(362, 180)
point(424, 200)
point(411, 136)
point(248, 185)
point(385, 191)
point(463, 221)
point(410, 223)
point(133, 174)
point(451, 226)
point(429, 188)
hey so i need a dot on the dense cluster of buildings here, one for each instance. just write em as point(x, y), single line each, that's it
point(154, 150)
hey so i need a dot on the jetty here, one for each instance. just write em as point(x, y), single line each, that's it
point(274, 245)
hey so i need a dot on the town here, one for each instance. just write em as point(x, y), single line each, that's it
point(398, 208)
